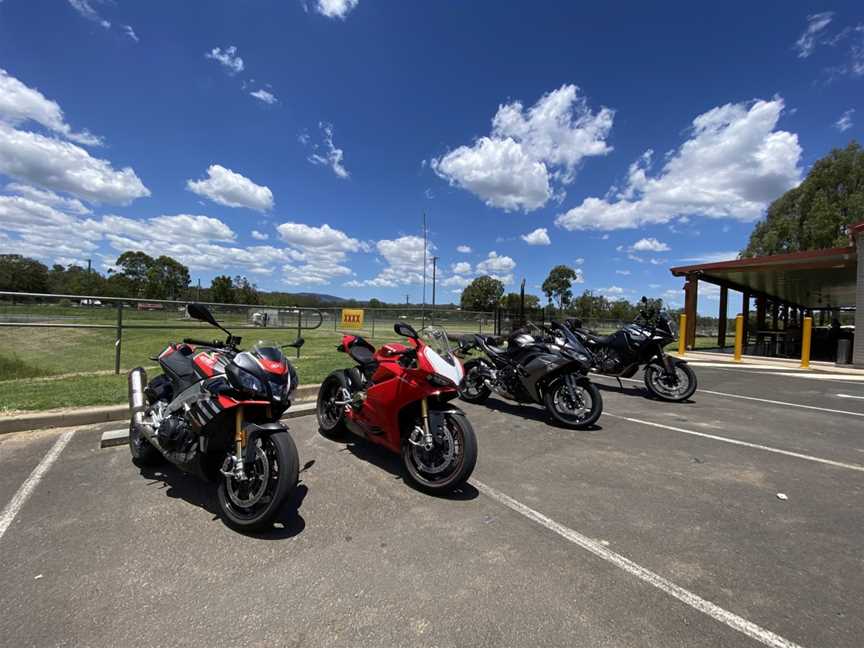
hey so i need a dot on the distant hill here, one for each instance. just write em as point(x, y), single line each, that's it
point(321, 298)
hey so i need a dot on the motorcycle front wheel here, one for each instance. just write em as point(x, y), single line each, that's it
point(666, 387)
point(579, 410)
point(252, 504)
point(449, 463)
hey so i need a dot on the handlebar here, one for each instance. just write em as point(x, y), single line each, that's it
point(208, 343)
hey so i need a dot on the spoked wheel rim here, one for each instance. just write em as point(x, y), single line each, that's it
point(473, 383)
point(672, 387)
point(576, 406)
point(446, 456)
point(330, 412)
point(247, 498)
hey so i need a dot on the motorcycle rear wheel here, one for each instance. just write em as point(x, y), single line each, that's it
point(475, 389)
point(460, 468)
point(578, 415)
point(280, 467)
point(331, 417)
point(142, 451)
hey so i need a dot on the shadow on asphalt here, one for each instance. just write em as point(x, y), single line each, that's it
point(638, 391)
point(385, 460)
point(533, 413)
point(200, 493)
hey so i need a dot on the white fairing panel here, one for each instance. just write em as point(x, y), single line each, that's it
point(443, 368)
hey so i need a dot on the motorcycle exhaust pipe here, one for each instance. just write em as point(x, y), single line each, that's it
point(137, 380)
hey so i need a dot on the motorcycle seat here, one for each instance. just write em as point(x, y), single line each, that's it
point(364, 356)
point(599, 339)
point(178, 366)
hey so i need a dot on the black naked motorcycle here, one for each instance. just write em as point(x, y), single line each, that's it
point(545, 366)
point(622, 353)
point(214, 412)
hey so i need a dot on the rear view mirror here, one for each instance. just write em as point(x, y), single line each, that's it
point(201, 313)
point(405, 330)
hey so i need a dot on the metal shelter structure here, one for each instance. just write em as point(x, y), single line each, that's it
point(790, 285)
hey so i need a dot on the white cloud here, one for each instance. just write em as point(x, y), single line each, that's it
point(530, 154)
point(611, 291)
point(404, 259)
point(61, 166)
point(815, 24)
point(259, 236)
point(462, 267)
point(732, 166)
point(845, 121)
point(265, 96)
point(622, 272)
point(229, 59)
point(226, 187)
point(85, 9)
point(335, 8)
point(20, 103)
point(497, 267)
point(330, 156)
point(457, 281)
point(538, 237)
point(579, 261)
point(127, 29)
point(49, 198)
point(649, 245)
point(711, 257)
point(464, 249)
point(318, 253)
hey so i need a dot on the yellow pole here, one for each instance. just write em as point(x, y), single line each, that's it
point(805, 342)
point(682, 334)
point(739, 336)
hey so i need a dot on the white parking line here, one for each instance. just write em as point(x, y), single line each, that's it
point(695, 601)
point(849, 396)
point(747, 444)
point(761, 400)
point(32, 481)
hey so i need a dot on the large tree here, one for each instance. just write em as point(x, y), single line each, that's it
point(222, 290)
point(816, 213)
point(558, 283)
point(133, 266)
point(512, 300)
point(245, 292)
point(167, 278)
point(21, 274)
point(482, 294)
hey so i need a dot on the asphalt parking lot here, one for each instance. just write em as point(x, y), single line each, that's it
point(661, 527)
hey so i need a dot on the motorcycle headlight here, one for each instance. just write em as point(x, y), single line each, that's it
point(440, 381)
point(245, 381)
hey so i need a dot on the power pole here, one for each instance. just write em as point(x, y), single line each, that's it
point(88, 266)
point(198, 298)
point(434, 266)
point(407, 295)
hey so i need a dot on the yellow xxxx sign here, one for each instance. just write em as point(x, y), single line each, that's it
point(352, 318)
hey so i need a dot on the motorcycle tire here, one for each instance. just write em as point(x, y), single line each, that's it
point(280, 448)
point(143, 452)
point(474, 394)
point(331, 418)
point(568, 420)
point(655, 384)
point(458, 475)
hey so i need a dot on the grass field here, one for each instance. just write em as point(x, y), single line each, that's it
point(36, 363)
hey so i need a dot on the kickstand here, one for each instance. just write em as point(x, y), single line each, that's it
point(620, 384)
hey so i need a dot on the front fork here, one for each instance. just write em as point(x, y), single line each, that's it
point(427, 442)
point(236, 471)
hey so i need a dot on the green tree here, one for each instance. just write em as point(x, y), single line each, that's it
point(22, 274)
point(245, 292)
point(511, 301)
point(222, 290)
point(558, 283)
point(482, 294)
point(134, 266)
point(167, 278)
point(815, 214)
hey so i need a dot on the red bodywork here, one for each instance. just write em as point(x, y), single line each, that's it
point(393, 388)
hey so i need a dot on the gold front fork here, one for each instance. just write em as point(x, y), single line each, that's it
point(424, 413)
point(239, 435)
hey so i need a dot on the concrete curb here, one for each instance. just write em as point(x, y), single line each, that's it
point(102, 414)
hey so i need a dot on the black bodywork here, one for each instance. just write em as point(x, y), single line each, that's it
point(531, 363)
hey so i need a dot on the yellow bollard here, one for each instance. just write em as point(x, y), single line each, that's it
point(682, 334)
point(806, 334)
point(739, 337)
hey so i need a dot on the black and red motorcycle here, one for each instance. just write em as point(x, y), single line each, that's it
point(214, 412)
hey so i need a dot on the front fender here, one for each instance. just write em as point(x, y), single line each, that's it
point(253, 432)
point(437, 416)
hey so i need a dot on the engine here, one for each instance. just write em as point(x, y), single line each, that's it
point(509, 384)
point(608, 361)
point(175, 434)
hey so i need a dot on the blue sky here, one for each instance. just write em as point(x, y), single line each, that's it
point(619, 141)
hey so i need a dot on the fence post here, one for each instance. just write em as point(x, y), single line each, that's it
point(682, 335)
point(806, 334)
point(118, 337)
point(299, 322)
point(372, 313)
point(739, 336)
point(335, 319)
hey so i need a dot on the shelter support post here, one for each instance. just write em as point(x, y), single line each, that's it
point(745, 313)
point(683, 327)
point(739, 337)
point(775, 315)
point(858, 343)
point(721, 324)
point(691, 297)
point(806, 334)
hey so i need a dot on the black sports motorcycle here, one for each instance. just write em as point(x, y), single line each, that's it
point(545, 366)
point(622, 353)
point(214, 412)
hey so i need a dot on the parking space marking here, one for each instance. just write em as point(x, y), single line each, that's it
point(849, 396)
point(687, 597)
point(764, 400)
point(746, 444)
point(32, 481)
